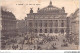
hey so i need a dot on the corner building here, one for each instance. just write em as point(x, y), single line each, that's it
point(8, 31)
point(47, 20)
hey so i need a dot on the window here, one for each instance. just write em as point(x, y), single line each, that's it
point(40, 24)
point(30, 24)
point(62, 31)
point(51, 31)
point(30, 30)
point(45, 25)
point(56, 30)
point(36, 24)
point(62, 24)
point(50, 23)
point(40, 30)
point(35, 30)
point(45, 30)
point(56, 23)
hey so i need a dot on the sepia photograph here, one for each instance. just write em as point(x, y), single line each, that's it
point(39, 24)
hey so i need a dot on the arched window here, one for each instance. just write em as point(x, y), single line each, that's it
point(45, 30)
point(40, 30)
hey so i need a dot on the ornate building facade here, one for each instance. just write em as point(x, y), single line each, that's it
point(0, 34)
point(47, 20)
point(8, 23)
point(75, 26)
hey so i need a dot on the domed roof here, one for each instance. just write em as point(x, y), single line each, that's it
point(49, 9)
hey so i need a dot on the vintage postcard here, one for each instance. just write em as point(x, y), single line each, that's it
point(39, 24)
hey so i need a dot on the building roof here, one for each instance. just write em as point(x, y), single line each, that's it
point(7, 14)
point(50, 9)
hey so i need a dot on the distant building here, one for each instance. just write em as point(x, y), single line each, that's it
point(75, 26)
point(8, 27)
point(21, 26)
point(47, 20)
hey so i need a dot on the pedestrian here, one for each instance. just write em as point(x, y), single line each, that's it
point(13, 46)
point(17, 46)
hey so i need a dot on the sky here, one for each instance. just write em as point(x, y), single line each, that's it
point(21, 11)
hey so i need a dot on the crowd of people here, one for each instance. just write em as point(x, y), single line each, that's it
point(35, 42)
